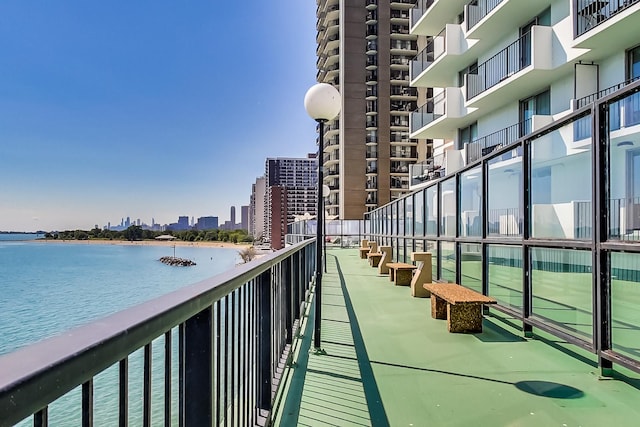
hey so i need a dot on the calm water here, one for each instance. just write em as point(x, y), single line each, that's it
point(48, 288)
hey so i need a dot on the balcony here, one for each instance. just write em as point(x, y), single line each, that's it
point(428, 15)
point(514, 72)
point(599, 22)
point(441, 116)
point(449, 50)
point(483, 19)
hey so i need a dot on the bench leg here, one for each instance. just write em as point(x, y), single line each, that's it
point(438, 307)
point(392, 274)
point(403, 277)
point(464, 317)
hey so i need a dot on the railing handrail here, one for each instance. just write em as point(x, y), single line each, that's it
point(484, 7)
point(34, 376)
point(586, 100)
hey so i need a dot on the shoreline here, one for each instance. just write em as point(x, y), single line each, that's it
point(178, 243)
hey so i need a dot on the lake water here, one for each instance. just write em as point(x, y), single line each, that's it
point(48, 288)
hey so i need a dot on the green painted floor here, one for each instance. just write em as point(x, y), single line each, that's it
point(386, 362)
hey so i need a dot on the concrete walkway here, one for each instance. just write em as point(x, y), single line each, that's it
point(386, 362)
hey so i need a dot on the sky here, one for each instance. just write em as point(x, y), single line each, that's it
point(148, 108)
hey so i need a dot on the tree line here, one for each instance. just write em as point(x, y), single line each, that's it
point(135, 232)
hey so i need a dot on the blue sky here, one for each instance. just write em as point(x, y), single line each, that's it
point(147, 108)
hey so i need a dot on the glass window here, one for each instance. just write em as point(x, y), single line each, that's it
point(536, 105)
point(471, 266)
point(448, 261)
point(431, 210)
point(633, 63)
point(560, 200)
point(625, 300)
point(402, 252)
point(418, 213)
point(448, 208)
point(394, 219)
point(505, 195)
point(624, 171)
point(432, 247)
point(505, 275)
point(561, 289)
point(408, 215)
point(471, 203)
point(401, 216)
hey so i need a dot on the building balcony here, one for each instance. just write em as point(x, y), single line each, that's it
point(442, 115)
point(428, 15)
point(599, 22)
point(513, 73)
point(481, 20)
point(449, 50)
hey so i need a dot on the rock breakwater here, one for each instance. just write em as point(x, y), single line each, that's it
point(180, 262)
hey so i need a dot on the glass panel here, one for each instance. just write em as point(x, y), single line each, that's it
point(401, 217)
point(394, 219)
point(471, 203)
point(625, 300)
point(401, 251)
point(448, 208)
point(471, 266)
point(431, 210)
point(505, 194)
point(408, 215)
point(560, 200)
point(624, 171)
point(419, 245)
point(448, 261)
point(561, 282)
point(505, 275)
point(431, 246)
point(418, 213)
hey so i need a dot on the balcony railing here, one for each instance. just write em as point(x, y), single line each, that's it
point(432, 51)
point(502, 138)
point(419, 9)
point(234, 332)
point(428, 112)
point(586, 100)
point(501, 66)
point(475, 13)
point(591, 13)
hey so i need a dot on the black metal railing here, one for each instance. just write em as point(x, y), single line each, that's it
point(504, 222)
point(418, 10)
point(586, 100)
point(475, 13)
point(432, 51)
point(498, 139)
point(499, 67)
point(624, 220)
point(234, 331)
point(591, 13)
point(431, 110)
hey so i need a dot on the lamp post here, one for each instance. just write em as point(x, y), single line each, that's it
point(322, 102)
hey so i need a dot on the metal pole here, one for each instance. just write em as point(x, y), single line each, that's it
point(319, 242)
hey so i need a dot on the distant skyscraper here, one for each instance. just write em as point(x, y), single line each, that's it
point(244, 217)
point(183, 222)
point(257, 208)
point(207, 223)
point(296, 179)
point(232, 218)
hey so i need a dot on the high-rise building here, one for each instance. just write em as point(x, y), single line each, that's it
point(257, 208)
point(296, 179)
point(364, 50)
point(244, 217)
point(232, 217)
point(207, 223)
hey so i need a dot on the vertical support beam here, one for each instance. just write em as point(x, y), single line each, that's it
point(264, 337)
point(167, 378)
point(319, 239)
point(457, 247)
point(289, 302)
point(484, 248)
point(296, 279)
point(217, 357)
point(198, 376)
point(181, 405)
point(123, 397)
point(146, 399)
point(526, 232)
point(600, 258)
point(87, 403)
point(41, 418)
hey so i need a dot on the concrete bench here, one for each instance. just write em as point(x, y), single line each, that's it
point(364, 248)
point(422, 274)
point(462, 307)
point(401, 273)
point(374, 258)
point(387, 257)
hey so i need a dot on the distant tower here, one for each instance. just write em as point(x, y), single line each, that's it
point(244, 217)
point(233, 217)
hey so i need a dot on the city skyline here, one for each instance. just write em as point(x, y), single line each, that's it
point(119, 107)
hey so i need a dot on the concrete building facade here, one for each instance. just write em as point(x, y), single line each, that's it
point(364, 49)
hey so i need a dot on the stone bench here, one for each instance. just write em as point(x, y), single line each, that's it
point(364, 248)
point(401, 273)
point(374, 258)
point(462, 307)
point(387, 257)
point(422, 274)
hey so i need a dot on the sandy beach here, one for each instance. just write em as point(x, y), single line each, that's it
point(178, 243)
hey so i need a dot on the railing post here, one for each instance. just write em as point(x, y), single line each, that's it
point(289, 303)
point(264, 343)
point(198, 375)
